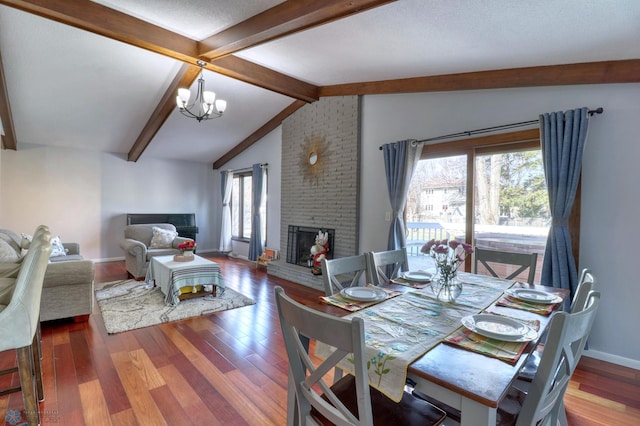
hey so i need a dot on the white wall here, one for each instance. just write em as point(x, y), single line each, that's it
point(267, 150)
point(84, 196)
point(610, 206)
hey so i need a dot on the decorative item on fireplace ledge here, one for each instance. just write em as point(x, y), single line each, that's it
point(321, 248)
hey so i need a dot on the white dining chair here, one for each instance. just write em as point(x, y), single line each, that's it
point(543, 403)
point(20, 325)
point(386, 265)
point(578, 303)
point(350, 401)
point(490, 259)
point(343, 272)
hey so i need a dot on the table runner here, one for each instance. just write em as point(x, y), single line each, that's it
point(400, 330)
point(171, 275)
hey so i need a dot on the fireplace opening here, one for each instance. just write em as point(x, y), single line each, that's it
point(300, 239)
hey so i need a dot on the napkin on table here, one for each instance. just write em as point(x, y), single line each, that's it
point(409, 283)
point(538, 308)
point(505, 351)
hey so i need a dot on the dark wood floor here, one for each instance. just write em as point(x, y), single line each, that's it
point(228, 368)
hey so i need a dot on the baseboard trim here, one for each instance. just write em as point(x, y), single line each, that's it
point(613, 359)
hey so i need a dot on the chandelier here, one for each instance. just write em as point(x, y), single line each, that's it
point(204, 106)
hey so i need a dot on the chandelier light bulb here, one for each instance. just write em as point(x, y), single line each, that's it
point(221, 105)
point(208, 97)
point(184, 95)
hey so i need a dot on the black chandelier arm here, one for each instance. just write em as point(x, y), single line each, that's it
point(209, 116)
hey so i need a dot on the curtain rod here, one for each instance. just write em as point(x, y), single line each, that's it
point(599, 110)
point(246, 169)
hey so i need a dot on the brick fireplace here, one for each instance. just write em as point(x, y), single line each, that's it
point(323, 194)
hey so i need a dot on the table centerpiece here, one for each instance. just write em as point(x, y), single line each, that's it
point(448, 256)
point(186, 251)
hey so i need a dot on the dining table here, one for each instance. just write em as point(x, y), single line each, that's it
point(411, 336)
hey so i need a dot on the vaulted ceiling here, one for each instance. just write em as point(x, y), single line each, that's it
point(102, 75)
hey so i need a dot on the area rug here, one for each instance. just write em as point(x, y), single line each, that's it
point(130, 304)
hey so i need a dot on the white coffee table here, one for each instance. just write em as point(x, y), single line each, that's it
point(172, 276)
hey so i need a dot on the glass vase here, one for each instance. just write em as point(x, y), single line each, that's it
point(446, 287)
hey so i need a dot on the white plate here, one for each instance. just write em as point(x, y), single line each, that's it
point(535, 296)
point(500, 328)
point(364, 294)
point(418, 276)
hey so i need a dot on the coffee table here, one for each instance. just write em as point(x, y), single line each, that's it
point(200, 277)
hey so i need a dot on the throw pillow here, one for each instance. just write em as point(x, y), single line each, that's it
point(7, 253)
point(162, 238)
point(26, 241)
point(57, 249)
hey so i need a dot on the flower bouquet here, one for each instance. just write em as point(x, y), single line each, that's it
point(187, 248)
point(448, 256)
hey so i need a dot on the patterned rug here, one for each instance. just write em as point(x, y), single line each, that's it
point(130, 304)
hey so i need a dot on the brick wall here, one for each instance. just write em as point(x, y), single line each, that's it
point(325, 195)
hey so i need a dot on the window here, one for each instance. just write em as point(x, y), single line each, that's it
point(241, 206)
point(507, 208)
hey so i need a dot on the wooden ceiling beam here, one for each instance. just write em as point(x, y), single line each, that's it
point(184, 78)
point(9, 137)
point(98, 19)
point(605, 72)
point(286, 18)
point(259, 134)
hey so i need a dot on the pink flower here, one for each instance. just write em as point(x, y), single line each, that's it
point(187, 245)
point(427, 247)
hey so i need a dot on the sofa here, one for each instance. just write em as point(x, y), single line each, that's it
point(139, 248)
point(67, 291)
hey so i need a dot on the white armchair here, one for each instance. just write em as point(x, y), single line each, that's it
point(138, 248)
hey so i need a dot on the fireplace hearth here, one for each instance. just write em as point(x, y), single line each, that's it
point(300, 239)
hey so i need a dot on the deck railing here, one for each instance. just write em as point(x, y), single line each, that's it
point(418, 233)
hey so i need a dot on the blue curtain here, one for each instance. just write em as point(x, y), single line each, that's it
point(562, 137)
point(400, 159)
point(256, 244)
point(226, 183)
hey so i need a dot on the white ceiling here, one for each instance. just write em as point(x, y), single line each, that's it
point(71, 88)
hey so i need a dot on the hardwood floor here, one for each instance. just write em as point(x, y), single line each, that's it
point(228, 368)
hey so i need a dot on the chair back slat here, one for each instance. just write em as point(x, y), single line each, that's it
point(585, 285)
point(343, 272)
point(386, 265)
point(488, 259)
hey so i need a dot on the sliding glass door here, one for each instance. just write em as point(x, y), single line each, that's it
point(488, 192)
